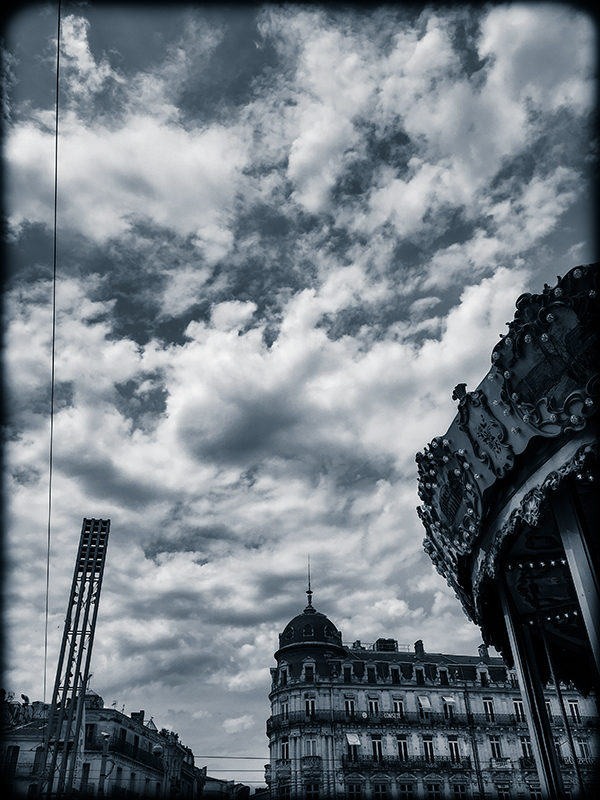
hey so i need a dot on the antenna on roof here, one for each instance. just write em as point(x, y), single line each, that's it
point(309, 590)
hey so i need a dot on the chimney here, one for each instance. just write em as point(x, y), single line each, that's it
point(138, 716)
point(419, 648)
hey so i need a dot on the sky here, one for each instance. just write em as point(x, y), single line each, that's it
point(284, 234)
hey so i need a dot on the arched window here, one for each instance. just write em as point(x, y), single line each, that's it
point(308, 630)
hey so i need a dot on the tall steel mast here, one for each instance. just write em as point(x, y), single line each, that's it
point(72, 674)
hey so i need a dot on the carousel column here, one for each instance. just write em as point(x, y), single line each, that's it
point(581, 566)
point(534, 701)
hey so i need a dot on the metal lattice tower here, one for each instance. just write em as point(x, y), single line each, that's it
point(72, 674)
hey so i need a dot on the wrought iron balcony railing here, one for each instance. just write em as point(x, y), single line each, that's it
point(116, 745)
point(397, 764)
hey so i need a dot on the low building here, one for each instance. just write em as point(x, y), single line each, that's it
point(386, 721)
point(118, 755)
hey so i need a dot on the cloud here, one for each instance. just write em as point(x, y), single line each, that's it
point(275, 265)
point(238, 724)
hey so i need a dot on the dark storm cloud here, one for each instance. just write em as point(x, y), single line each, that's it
point(100, 479)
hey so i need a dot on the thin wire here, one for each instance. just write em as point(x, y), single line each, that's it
point(52, 358)
point(238, 758)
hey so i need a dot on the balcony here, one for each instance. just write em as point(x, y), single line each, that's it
point(581, 722)
point(498, 719)
point(283, 768)
point(116, 745)
point(311, 765)
point(527, 762)
point(387, 718)
point(501, 763)
point(410, 764)
point(589, 761)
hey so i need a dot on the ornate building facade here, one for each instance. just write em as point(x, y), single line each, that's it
point(511, 503)
point(385, 722)
point(118, 755)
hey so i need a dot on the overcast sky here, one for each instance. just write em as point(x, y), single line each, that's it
point(285, 233)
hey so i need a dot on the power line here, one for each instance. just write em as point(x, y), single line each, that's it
point(239, 758)
point(52, 358)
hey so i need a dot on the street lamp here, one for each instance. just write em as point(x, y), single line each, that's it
point(105, 737)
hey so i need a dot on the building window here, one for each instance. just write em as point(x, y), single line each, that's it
point(420, 676)
point(119, 776)
point(549, 710)
point(347, 674)
point(312, 791)
point(424, 706)
point(354, 791)
point(584, 749)
point(284, 677)
point(448, 707)
point(308, 630)
point(402, 748)
point(373, 705)
point(309, 673)
point(503, 790)
point(488, 709)
point(460, 791)
point(454, 749)
point(428, 748)
point(285, 709)
point(310, 703)
point(132, 782)
point(535, 793)
point(38, 761)
point(371, 675)
point(433, 791)
point(90, 731)
point(285, 792)
point(495, 745)
point(519, 710)
point(377, 747)
point(405, 791)
point(310, 747)
point(395, 675)
point(380, 791)
point(443, 673)
point(353, 752)
point(483, 678)
point(398, 706)
point(526, 746)
point(11, 759)
point(574, 710)
point(349, 706)
point(85, 775)
point(285, 749)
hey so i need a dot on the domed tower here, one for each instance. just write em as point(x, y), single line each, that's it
point(301, 727)
point(309, 631)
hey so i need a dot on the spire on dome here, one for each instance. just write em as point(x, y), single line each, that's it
point(309, 608)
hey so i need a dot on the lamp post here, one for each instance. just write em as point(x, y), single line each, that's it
point(105, 737)
point(159, 751)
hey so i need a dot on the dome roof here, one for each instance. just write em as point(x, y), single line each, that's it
point(310, 627)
